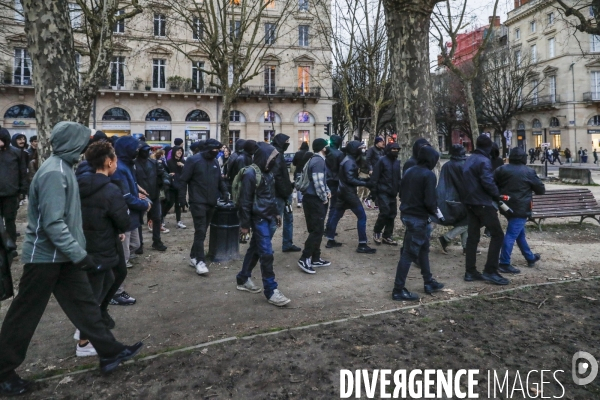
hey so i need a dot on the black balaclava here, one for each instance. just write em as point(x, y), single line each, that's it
point(144, 151)
point(211, 149)
point(392, 150)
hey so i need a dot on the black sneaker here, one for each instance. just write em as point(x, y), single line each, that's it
point(444, 244)
point(122, 299)
point(537, 258)
point(109, 364)
point(292, 249)
point(508, 269)
point(140, 250)
point(433, 286)
point(473, 276)
point(304, 264)
point(404, 295)
point(332, 243)
point(495, 278)
point(364, 249)
point(320, 263)
point(159, 246)
point(14, 386)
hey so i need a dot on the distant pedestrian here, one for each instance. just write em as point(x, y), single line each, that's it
point(595, 154)
point(172, 196)
point(333, 159)
point(385, 182)
point(13, 183)
point(298, 162)
point(556, 155)
point(568, 156)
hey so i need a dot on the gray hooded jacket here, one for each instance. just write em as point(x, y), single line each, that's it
point(54, 226)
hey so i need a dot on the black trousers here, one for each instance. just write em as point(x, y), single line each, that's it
point(332, 201)
point(314, 213)
point(72, 290)
point(172, 198)
point(388, 209)
point(101, 282)
point(477, 217)
point(202, 215)
point(155, 216)
point(119, 273)
point(8, 211)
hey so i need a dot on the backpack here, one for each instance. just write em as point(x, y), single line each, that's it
point(303, 180)
point(236, 186)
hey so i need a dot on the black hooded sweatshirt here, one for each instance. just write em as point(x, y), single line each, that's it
point(150, 174)
point(259, 202)
point(418, 185)
point(333, 159)
point(239, 149)
point(298, 160)
point(283, 184)
point(202, 176)
point(518, 181)
point(13, 167)
point(174, 168)
point(349, 170)
point(415, 153)
point(479, 186)
point(386, 175)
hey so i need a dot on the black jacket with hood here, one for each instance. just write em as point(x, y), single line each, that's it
point(239, 149)
point(23, 151)
point(13, 167)
point(415, 153)
point(283, 184)
point(387, 175)
point(518, 181)
point(259, 202)
point(495, 158)
point(150, 174)
point(105, 215)
point(480, 188)
point(243, 160)
point(419, 197)
point(298, 160)
point(374, 154)
point(175, 169)
point(450, 188)
point(333, 159)
point(349, 170)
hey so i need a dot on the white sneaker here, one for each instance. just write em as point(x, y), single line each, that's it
point(86, 351)
point(278, 299)
point(249, 286)
point(129, 265)
point(193, 262)
point(76, 335)
point(181, 225)
point(299, 205)
point(201, 268)
point(164, 230)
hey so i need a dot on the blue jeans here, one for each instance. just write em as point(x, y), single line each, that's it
point(337, 213)
point(515, 232)
point(288, 223)
point(260, 249)
point(415, 249)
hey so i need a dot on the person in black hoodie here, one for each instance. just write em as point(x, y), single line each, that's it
point(12, 184)
point(239, 148)
point(202, 177)
point(284, 189)
point(105, 220)
point(298, 162)
point(244, 158)
point(151, 177)
point(348, 199)
point(333, 159)
point(415, 152)
point(517, 181)
point(480, 196)
point(258, 211)
point(176, 190)
point(385, 180)
point(419, 201)
point(497, 161)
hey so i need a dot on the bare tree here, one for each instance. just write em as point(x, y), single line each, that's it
point(586, 13)
point(11, 14)
point(448, 98)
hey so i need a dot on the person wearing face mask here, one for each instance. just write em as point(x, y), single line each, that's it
point(257, 210)
point(385, 180)
point(415, 152)
point(333, 159)
point(172, 196)
point(202, 177)
point(239, 149)
point(284, 189)
point(348, 199)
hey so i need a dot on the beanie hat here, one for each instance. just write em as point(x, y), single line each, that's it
point(319, 144)
point(178, 142)
point(250, 147)
point(378, 139)
point(484, 142)
point(212, 144)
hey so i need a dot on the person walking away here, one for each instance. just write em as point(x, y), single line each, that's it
point(419, 201)
point(151, 177)
point(333, 159)
point(568, 156)
point(298, 162)
point(201, 176)
point(385, 180)
point(374, 154)
point(480, 194)
point(531, 155)
point(284, 189)
point(497, 161)
point(415, 152)
point(55, 263)
point(316, 197)
point(105, 219)
point(556, 155)
point(176, 190)
point(595, 154)
point(13, 183)
point(126, 148)
point(518, 182)
point(348, 199)
point(239, 148)
point(258, 210)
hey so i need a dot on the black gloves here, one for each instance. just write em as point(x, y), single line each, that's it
point(88, 264)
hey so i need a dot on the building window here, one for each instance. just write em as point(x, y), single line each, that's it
point(22, 68)
point(536, 123)
point(198, 76)
point(551, 47)
point(19, 14)
point(552, 88)
point(117, 67)
point(268, 135)
point(197, 116)
point(594, 121)
point(198, 30)
point(534, 91)
point(595, 85)
point(550, 18)
point(556, 141)
point(158, 114)
point(532, 27)
point(270, 4)
point(304, 79)
point(534, 53)
point(303, 137)
point(116, 114)
point(269, 116)
point(20, 111)
point(304, 117)
point(234, 116)
point(554, 122)
point(517, 33)
point(302, 5)
point(538, 140)
point(160, 22)
point(233, 137)
point(518, 57)
point(119, 25)
point(270, 33)
point(595, 43)
point(158, 74)
point(269, 76)
point(75, 14)
point(234, 29)
point(303, 35)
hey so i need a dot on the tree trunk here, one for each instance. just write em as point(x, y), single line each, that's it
point(50, 46)
point(472, 110)
point(224, 124)
point(408, 24)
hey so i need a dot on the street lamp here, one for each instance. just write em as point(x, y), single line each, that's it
point(574, 118)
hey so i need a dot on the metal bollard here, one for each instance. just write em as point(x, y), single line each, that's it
point(223, 244)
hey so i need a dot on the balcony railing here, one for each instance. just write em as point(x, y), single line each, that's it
point(280, 91)
point(184, 87)
point(15, 80)
point(544, 101)
point(591, 96)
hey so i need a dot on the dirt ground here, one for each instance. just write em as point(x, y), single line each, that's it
point(177, 308)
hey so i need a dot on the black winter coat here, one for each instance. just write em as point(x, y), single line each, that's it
point(386, 177)
point(241, 161)
point(151, 176)
point(450, 192)
point(177, 170)
point(105, 215)
point(417, 189)
point(283, 184)
point(349, 170)
point(333, 159)
point(203, 179)
point(518, 181)
point(411, 162)
point(373, 155)
point(479, 185)
point(12, 167)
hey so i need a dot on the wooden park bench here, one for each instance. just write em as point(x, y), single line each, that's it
point(564, 203)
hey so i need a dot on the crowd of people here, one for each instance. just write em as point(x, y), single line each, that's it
point(88, 201)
